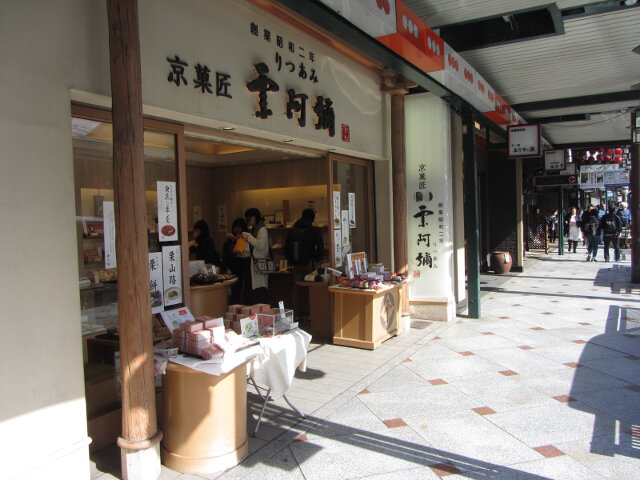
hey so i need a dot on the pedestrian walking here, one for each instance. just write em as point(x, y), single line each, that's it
point(590, 228)
point(572, 227)
point(611, 227)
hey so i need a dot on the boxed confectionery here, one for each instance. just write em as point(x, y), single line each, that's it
point(217, 334)
point(235, 308)
point(199, 336)
point(210, 322)
point(191, 326)
point(274, 321)
point(262, 307)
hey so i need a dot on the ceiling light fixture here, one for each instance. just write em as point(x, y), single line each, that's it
point(288, 140)
point(228, 128)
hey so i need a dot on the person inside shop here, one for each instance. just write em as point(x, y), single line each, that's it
point(203, 245)
point(258, 239)
point(236, 259)
point(303, 249)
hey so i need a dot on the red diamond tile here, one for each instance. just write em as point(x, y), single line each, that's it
point(565, 284)
point(508, 373)
point(578, 341)
point(444, 469)
point(526, 295)
point(537, 328)
point(588, 309)
point(547, 313)
point(564, 398)
point(572, 364)
point(632, 357)
point(628, 306)
point(584, 323)
point(466, 354)
point(625, 295)
point(633, 388)
point(492, 298)
point(407, 360)
point(301, 438)
point(487, 333)
point(555, 301)
point(516, 305)
point(560, 291)
point(483, 410)
point(363, 392)
point(437, 381)
point(525, 347)
point(436, 338)
point(394, 423)
point(549, 451)
point(504, 318)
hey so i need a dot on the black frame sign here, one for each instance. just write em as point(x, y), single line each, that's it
point(523, 140)
point(555, 159)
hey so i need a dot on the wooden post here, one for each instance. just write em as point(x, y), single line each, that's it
point(139, 425)
point(634, 205)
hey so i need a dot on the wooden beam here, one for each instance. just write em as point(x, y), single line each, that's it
point(139, 425)
point(399, 184)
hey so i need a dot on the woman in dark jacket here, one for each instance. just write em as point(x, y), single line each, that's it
point(203, 246)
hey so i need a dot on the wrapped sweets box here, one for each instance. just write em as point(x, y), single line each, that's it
point(274, 322)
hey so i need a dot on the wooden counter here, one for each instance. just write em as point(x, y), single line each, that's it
point(211, 299)
point(365, 318)
point(204, 419)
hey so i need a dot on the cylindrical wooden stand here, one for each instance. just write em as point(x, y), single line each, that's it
point(211, 299)
point(204, 419)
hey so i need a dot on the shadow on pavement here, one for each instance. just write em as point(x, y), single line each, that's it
point(288, 436)
point(616, 428)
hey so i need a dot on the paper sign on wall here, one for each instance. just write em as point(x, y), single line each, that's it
point(337, 246)
point(352, 210)
point(345, 227)
point(336, 209)
point(109, 235)
point(167, 211)
point(172, 275)
point(222, 218)
point(155, 282)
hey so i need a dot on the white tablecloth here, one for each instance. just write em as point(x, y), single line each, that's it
point(218, 366)
point(282, 355)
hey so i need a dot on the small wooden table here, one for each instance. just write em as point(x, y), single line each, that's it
point(211, 299)
point(365, 318)
point(319, 308)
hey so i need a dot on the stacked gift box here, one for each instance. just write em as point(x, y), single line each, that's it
point(237, 312)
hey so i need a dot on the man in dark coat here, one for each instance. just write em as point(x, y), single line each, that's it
point(611, 227)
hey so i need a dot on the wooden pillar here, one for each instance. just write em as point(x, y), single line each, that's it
point(139, 425)
point(399, 182)
point(634, 205)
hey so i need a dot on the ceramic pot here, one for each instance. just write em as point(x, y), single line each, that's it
point(501, 262)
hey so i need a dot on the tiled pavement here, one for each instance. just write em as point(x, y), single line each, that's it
point(545, 385)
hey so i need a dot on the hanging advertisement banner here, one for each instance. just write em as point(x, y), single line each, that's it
point(156, 282)
point(352, 210)
point(336, 210)
point(172, 275)
point(593, 176)
point(345, 227)
point(523, 140)
point(554, 159)
point(337, 247)
point(429, 193)
point(167, 211)
point(109, 235)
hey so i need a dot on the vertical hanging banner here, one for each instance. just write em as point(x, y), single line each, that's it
point(345, 227)
point(336, 209)
point(172, 275)
point(155, 282)
point(352, 210)
point(429, 195)
point(222, 218)
point(108, 211)
point(337, 245)
point(167, 211)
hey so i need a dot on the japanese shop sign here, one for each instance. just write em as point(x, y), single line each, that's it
point(457, 74)
point(554, 159)
point(172, 275)
point(345, 227)
point(156, 282)
point(523, 140)
point(428, 197)
point(109, 235)
point(238, 66)
point(352, 210)
point(337, 245)
point(167, 211)
point(336, 210)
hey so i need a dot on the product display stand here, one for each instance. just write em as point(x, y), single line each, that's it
point(211, 299)
point(365, 318)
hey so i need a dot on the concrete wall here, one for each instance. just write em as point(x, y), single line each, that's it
point(53, 46)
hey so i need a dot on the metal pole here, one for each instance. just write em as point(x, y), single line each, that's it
point(634, 205)
point(471, 227)
point(561, 221)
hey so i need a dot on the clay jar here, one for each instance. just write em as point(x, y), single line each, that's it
point(501, 262)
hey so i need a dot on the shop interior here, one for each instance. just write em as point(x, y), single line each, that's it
point(224, 175)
